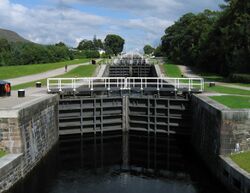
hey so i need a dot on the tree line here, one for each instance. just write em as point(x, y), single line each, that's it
point(214, 41)
point(23, 53)
point(112, 45)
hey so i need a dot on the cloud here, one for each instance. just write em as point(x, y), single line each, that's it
point(49, 25)
point(157, 8)
point(65, 21)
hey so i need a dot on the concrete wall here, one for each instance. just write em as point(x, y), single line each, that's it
point(32, 131)
point(218, 130)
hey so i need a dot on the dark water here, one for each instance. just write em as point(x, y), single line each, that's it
point(116, 163)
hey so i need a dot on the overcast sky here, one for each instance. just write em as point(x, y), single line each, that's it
point(139, 22)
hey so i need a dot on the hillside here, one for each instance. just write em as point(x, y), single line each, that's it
point(11, 36)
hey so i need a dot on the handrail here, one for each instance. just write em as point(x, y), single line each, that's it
point(125, 83)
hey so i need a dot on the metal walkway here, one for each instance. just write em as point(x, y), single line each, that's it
point(55, 85)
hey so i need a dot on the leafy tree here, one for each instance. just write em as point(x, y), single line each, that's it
point(97, 43)
point(4, 45)
point(148, 49)
point(61, 44)
point(114, 44)
point(182, 40)
point(20, 53)
point(86, 45)
point(215, 41)
point(158, 51)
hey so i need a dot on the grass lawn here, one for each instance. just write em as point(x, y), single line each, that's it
point(172, 70)
point(8, 72)
point(211, 77)
point(243, 160)
point(81, 71)
point(2, 153)
point(234, 102)
point(226, 90)
point(242, 84)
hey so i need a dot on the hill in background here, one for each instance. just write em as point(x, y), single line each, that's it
point(11, 36)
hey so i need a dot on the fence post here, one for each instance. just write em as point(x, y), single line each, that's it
point(48, 86)
point(60, 84)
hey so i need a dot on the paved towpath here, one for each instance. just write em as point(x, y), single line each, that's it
point(187, 72)
point(48, 74)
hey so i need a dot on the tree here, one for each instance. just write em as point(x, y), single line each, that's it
point(86, 45)
point(215, 41)
point(182, 40)
point(97, 43)
point(158, 51)
point(114, 44)
point(148, 49)
point(4, 45)
point(61, 44)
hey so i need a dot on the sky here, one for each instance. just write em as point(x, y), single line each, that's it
point(139, 22)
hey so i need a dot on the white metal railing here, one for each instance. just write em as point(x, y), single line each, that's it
point(125, 83)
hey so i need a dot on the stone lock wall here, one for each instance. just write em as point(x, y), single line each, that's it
point(32, 133)
point(39, 131)
point(218, 130)
point(10, 135)
point(235, 130)
point(216, 133)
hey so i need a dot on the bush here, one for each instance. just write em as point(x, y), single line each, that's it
point(86, 54)
point(20, 53)
point(242, 78)
point(104, 55)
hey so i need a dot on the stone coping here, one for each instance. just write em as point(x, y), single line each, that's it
point(217, 105)
point(236, 167)
point(8, 161)
point(211, 102)
point(10, 106)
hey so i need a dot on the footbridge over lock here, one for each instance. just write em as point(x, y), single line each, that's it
point(148, 104)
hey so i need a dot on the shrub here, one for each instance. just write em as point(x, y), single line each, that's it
point(243, 78)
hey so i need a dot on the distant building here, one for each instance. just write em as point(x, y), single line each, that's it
point(101, 51)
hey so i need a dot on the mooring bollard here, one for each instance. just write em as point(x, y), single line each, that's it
point(211, 84)
point(21, 93)
point(38, 84)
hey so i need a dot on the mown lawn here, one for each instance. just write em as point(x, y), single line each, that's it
point(226, 90)
point(8, 72)
point(211, 77)
point(233, 102)
point(2, 153)
point(242, 84)
point(172, 70)
point(81, 71)
point(243, 160)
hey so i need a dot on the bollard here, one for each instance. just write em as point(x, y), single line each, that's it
point(38, 84)
point(211, 84)
point(21, 93)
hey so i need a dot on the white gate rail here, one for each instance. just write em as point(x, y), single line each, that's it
point(125, 83)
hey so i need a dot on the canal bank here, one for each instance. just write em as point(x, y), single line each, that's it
point(29, 129)
point(217, 132)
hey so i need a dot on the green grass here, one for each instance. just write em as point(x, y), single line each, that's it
point(8, 72)
point(234, 102)
point(242, 84)
point(243, 160)
point(211, 77)
point(172, 70)
point(81, 71)
point(2, 153)
point(227, 90)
